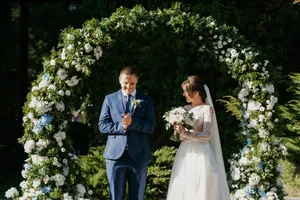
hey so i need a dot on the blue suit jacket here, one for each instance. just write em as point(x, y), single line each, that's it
point(110, 122)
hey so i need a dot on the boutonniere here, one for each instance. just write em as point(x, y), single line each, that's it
point(137, 103)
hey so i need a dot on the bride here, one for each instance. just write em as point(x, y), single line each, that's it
point(198, 171)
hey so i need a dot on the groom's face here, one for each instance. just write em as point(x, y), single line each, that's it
point(128, 82)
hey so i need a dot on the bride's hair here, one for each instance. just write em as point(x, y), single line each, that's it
point(194, 84)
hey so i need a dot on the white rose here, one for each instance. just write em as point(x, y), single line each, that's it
point(68, 92)
point(88, 48)
point(61, 93)
point(254, 179)
point(70, 37)
point(52, 62)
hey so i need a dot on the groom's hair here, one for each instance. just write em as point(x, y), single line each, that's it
point(194, 84)
point(129, 70)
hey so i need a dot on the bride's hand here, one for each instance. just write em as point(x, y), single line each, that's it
point(178, 128)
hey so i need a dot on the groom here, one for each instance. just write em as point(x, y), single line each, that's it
point(127, 117)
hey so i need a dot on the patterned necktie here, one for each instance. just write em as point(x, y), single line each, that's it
point(128, 102)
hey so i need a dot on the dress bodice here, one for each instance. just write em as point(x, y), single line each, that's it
point(202, 123)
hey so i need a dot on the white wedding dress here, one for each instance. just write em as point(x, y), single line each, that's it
point(196, 174)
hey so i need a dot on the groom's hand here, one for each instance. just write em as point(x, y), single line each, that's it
point(126, 120)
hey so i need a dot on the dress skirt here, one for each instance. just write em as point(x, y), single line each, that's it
point(194, 173)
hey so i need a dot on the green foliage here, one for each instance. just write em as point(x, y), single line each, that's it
point(270, 24)
point(93, 174)
point(292, 110)
point(291, 178)
point(232, 104)
point(159, 173)
point(290, 117)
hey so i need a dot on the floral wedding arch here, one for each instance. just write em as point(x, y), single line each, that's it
point(47, 172)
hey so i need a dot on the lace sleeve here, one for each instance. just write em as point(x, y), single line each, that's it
point(205, 134)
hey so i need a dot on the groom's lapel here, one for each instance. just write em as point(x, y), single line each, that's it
point(120, 101)
point(137, 96)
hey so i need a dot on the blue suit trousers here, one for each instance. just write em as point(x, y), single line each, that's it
point(125, 170)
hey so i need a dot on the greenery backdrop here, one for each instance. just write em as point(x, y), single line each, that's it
point(255, 20)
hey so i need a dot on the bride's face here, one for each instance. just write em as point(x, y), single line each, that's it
point(188, 96)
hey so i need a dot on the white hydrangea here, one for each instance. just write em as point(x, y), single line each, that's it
point(70, 47)
point(73, 81)
point(88, 48)
point(34, 88)
point(253, 123)
point(43, 107)
point(263, 133)
point(60, 106)
point(61, 92)
point(60, 136)
point(234, 53)
point(39, 160)
point(254, 179)
point(52, 87)
point(24, 173)
point(12, 193)
point(68, 92)
point(253, 105)
point(63, 54)
point(62, 74)
point(23, 184)
point(66, 65)
point(261, 118)
point(56, 162)
point(242, 94)
point(239, 194)
point(42, 144)
point(32, 102)
point(266, 62)
point(44, 83)
point(244, 161)
point(264, 147)
point(36, 183)
point(98, 52)
point(270, 88)
point(52, 62)
point(78, 67)
point(255, 159)
point(70, 37)
point(255, 66)
point(245, 150)
point(81, 189)
point(236, 174)
point(273, 100)
point(59, 179)
point(67, 196)
point(29, 146)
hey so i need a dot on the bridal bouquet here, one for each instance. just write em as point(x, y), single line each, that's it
point(181, 116)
